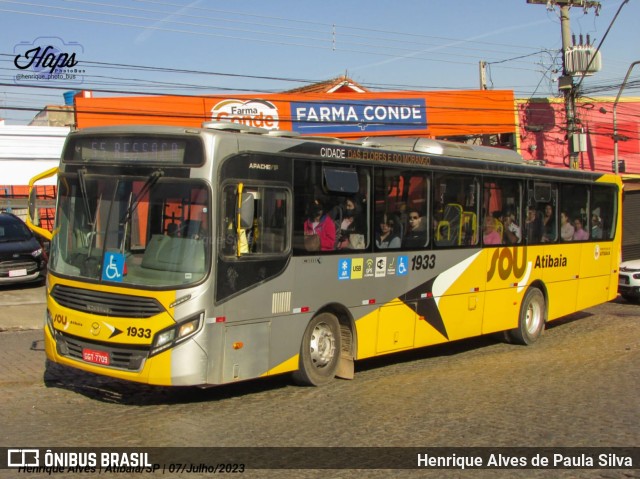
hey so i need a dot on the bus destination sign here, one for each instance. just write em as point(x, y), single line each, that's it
point(117, 149)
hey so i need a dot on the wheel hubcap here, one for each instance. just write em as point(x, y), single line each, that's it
point(323, 345)
point(534, 317)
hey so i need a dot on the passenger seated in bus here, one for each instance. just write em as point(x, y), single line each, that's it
point(416, 236)
point(533, 226)
point(347, 217)
point(319, 229)
point(490, 235)
point(191, 229)
point(548, 224)
point(596, 224)
point(172, 229)
point(350, 206)
point(566, 228)
point(347, 235)
point(580, 234)
point(512, 232)
point(388, 235)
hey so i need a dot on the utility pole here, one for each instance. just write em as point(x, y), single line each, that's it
point(565, 82)
point(616, 137)
point(482, 68)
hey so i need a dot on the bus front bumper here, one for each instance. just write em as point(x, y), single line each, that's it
point(184, 365)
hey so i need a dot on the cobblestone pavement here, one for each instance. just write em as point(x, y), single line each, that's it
point(578, 386)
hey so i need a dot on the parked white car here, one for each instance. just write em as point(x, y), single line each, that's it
point(629, 280)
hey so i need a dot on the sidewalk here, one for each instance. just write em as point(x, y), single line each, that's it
point(22, 307)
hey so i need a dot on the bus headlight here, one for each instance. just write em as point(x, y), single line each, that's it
point(167, 338)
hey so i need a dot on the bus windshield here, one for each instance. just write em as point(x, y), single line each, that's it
point(144, 231)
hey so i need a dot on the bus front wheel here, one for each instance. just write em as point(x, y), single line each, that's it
point(320, 351)
point(531, 320)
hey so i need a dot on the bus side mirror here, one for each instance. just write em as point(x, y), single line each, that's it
point(32, 210)
point(32, 207)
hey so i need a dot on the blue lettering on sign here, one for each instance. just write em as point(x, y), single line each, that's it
point(356, 116)
point(113, 267)
point(344, 268)
point(403, 266)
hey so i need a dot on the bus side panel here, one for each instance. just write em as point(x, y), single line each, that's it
point(595, 274)
point(460, 297)
point(455, 309)
point(561, 268)
point(396, 327)
point(504, 267)
point(246, 351)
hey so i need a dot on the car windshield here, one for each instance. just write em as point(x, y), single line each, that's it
point(12, 229)
point(148, 231)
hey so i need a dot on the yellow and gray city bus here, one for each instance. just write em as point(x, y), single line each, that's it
point(186, 256)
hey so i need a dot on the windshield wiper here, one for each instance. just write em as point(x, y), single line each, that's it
point(85, 197)
point(133, 204)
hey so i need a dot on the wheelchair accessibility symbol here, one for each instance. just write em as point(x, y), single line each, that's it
point(113, 267)
point(403, 266)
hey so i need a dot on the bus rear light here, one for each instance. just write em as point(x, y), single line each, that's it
point(221, 319)
point(303, 309)
point(426, 295)
point(368, 301)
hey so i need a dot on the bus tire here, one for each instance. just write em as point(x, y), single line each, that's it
point(319, 352)
point(531, 319)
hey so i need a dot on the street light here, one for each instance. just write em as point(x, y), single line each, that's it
point(615, 120)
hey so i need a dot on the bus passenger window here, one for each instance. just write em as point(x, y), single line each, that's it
point(330, 208)
point(603, 207)
point(456, 213)
point(265, 231)
point(501, 200)
point(574, 201)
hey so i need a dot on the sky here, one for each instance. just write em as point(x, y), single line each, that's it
point(208, 47)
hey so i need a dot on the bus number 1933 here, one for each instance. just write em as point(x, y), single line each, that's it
point(426, 261)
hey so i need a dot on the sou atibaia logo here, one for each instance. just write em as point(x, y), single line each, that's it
point(258, 113)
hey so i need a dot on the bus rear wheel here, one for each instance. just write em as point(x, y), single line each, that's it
point(531, 320)
point(319, 352)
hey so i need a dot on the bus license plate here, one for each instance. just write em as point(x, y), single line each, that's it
point(97, 357)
